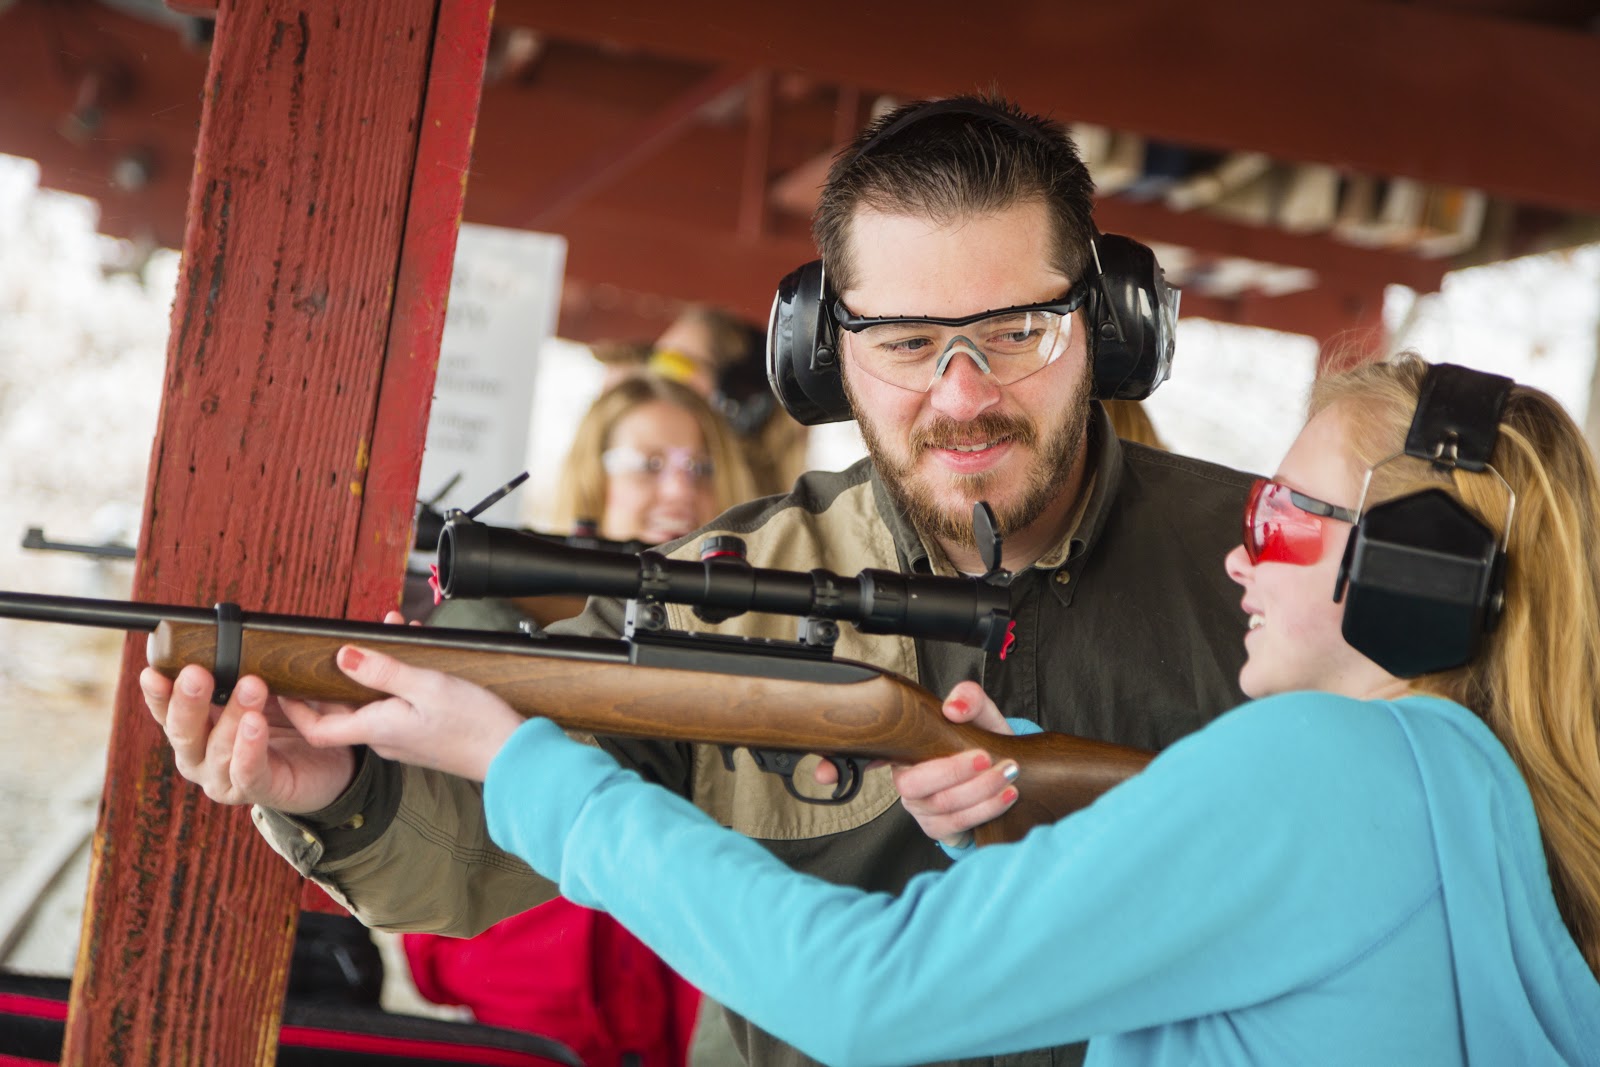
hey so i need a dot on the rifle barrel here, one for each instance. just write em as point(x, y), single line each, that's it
point(106, 614)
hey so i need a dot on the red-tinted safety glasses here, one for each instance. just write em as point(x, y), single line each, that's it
point(1285, 526)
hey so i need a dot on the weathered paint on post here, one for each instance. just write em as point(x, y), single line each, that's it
point(313, 239)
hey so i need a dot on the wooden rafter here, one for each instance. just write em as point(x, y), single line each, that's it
point(1360, 84)
point(634, 147)
point(757, 159)
point(1220, 237)
point(613, 124)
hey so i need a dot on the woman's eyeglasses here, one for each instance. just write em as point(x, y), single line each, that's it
point(623, 461)
point(1282, 525)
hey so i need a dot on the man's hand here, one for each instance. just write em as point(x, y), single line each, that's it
point(433, 719)
point(951, 795)
point(247, 752)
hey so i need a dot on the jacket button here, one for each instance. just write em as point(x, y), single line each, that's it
point(1063, 577)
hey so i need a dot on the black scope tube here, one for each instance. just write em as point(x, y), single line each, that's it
point(478, 560)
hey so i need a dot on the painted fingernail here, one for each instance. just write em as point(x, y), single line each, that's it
point(350, 658)
point(981, 762)
point(957, 706)
point(1009, 796)
point(1010, 770)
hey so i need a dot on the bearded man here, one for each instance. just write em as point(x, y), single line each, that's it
point(961, 301)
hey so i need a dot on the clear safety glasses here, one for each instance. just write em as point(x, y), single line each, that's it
point(913, 353)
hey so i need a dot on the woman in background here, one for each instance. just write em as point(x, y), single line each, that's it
point(724, 359)
point(650, 462)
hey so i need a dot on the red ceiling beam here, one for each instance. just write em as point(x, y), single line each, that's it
point(1367, 85)
point(132, 150)
point(1577, 14)
point(757, 159)
point(679, 260)
point(695, 180)
point(1343, 319)
point(591, 313)
point(1207, 233)
point(690, 187)
point(632, 148)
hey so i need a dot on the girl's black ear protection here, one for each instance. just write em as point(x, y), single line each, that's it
point(1423, 579)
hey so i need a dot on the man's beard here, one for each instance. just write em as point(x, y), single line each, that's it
point(1043, 480)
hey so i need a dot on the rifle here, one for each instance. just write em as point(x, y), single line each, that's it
point(35, 539)
point(780, 700)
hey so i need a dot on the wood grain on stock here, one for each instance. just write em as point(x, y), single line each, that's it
point(886, 717)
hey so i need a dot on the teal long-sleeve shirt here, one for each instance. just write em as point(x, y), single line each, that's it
point(1310, 879)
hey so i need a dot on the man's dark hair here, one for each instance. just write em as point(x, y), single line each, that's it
point(969, 155)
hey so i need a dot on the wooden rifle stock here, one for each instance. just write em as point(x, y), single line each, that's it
point(757, 700)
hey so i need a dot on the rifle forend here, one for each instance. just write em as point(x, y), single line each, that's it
point(747, 692)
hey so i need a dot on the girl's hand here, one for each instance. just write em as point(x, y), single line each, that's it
point(432, 720)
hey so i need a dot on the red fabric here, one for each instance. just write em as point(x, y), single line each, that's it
point(565, 972)
point(405, 1049)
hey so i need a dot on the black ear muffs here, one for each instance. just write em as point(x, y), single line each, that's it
point(1423, 579)
point(1421, 584)
point(1132, 320)
point(1130, 317)
point(802, 355)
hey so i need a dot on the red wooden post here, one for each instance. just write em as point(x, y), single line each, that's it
point(322, 219)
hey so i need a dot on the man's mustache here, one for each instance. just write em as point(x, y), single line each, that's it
point(990, 426)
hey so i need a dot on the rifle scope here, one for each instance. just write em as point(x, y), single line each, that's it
point(478, 560)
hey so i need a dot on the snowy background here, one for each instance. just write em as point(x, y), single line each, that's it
point(82, 353)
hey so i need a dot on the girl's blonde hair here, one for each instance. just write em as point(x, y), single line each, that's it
point(581, 491)
point(1534, 679)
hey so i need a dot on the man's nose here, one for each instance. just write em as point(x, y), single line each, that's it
point(963, 386)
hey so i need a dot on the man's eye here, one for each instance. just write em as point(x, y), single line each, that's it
point(1011, 335)
point(905, 345)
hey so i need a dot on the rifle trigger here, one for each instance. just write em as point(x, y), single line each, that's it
point(784, 764)
point(727, 756)
point(850, 771)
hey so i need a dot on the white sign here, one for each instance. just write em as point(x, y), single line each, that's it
point(504, 295)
